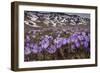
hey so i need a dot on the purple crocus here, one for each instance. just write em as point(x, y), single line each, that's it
point(44, 43)
point(27, 50)
point(52, 49)
point(73, 38)
point(50, 37)
point(58, 42)
point(85, 44)
point(64, 41)
point(34, 48)
point(77, 44)
point(87, 38)
point(68, 40)
point(27, 38)
point(75, 34)
point(27, 44)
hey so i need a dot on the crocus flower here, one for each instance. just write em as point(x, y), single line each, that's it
point(27, 50)
point(68, 40)
point(58, 42)
point(85, 44)
point(81, 38)
point(44, 43)
point(27, 38)
point(51, 49)
point(77, 44)
point(34, 48)
point(87, 38)
point(73, 38)
point(64, 41)
point(27, 44)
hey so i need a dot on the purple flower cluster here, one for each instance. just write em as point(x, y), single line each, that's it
point(50, 43)
point(80, 39)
